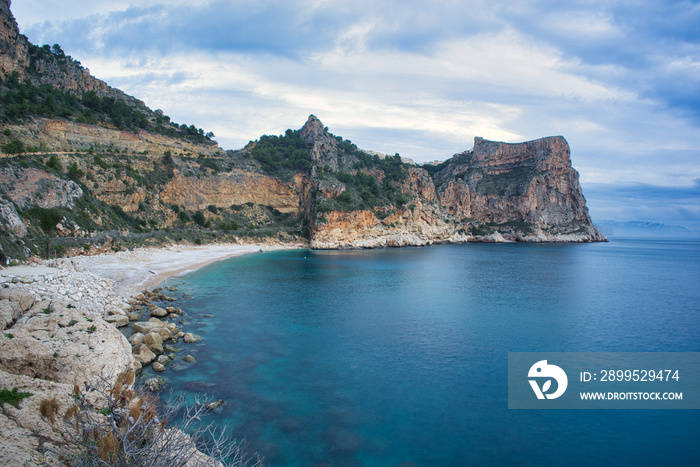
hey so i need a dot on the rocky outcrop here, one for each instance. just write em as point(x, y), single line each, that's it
point(46, 348)
point(13, 55)
point(26, 437)
point(528, 191)
point(321, 143)
point(493, 193)
point(62, 72)
point(235, 187)
point(34, 187)
point(68, 136)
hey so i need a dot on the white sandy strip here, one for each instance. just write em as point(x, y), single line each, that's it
point(133, 271)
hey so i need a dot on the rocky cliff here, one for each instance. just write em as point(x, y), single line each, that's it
point(18, 55)
point(495, 192)
point(106, 163)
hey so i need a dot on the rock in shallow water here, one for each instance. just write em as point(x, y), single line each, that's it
point(136, 338)
point(159, 312)
point(163, 359)
point(143, 354)
point(190, 338)
point(154, 342)
point(154, 384)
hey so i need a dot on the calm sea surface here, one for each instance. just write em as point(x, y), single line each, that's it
point(399, 356)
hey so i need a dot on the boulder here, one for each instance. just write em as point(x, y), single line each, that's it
point(158, 367)
point(143, 354)
point(136, 338)
point(163, 359)
point(118, 321)
point(189, 359)
point(154, 342)
point(142, 327)
point(154, 384)
point(190, 338)
point(165, 333)
point(159, 312)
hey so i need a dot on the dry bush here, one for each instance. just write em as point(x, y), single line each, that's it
point(120, 426)
point(49, 408)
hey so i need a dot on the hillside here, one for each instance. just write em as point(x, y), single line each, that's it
point(87, 168)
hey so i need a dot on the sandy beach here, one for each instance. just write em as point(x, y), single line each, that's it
point(141, 268)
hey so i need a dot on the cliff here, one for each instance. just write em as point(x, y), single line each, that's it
point(78, 111)
point(495, 192)
point(42, 66)
point(104, 172)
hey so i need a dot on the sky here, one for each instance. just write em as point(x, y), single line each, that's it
point(619, 79)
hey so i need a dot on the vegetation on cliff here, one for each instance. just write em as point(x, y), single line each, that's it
point(22, 101)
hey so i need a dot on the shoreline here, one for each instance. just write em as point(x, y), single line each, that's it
point(144, 268)
point(60, 321)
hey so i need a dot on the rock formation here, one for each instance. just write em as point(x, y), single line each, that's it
point(47, 347)
point(495, 192)
point(306, 184)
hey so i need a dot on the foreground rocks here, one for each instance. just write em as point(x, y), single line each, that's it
point(49, 342)
point(57, 330)
point(152, 339)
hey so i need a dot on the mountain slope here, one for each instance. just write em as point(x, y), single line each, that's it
point(88, 168)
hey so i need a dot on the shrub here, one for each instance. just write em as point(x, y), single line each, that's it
point(13, 396)
point(13, 147)
point(119, 425)
point(74, 173)
point(198, 218)
point(54, 163)
point(48, 218)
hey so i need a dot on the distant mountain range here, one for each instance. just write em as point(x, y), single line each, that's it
point(640, 229)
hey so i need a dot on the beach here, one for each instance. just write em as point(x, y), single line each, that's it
point(142, 268)
point(129, 272)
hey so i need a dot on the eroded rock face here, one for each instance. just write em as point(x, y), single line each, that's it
point(63, 346)
point(34, 187)
point(62, 73)
point(26, 437)
point(323, 146)
point(496, 192)
point(237, 187)
point(529, 189)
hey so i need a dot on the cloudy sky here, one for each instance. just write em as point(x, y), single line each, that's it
point(619, 79)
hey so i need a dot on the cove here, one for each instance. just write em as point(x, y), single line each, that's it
point(399, 356)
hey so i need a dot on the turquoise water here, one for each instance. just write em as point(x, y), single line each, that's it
point(399, 356)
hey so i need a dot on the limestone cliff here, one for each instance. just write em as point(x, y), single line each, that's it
point(106, 166)
point(527, 191)
point(495, 192)
point(47, 68)
point(92, 120)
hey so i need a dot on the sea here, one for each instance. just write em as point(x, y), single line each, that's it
point(399, 357)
